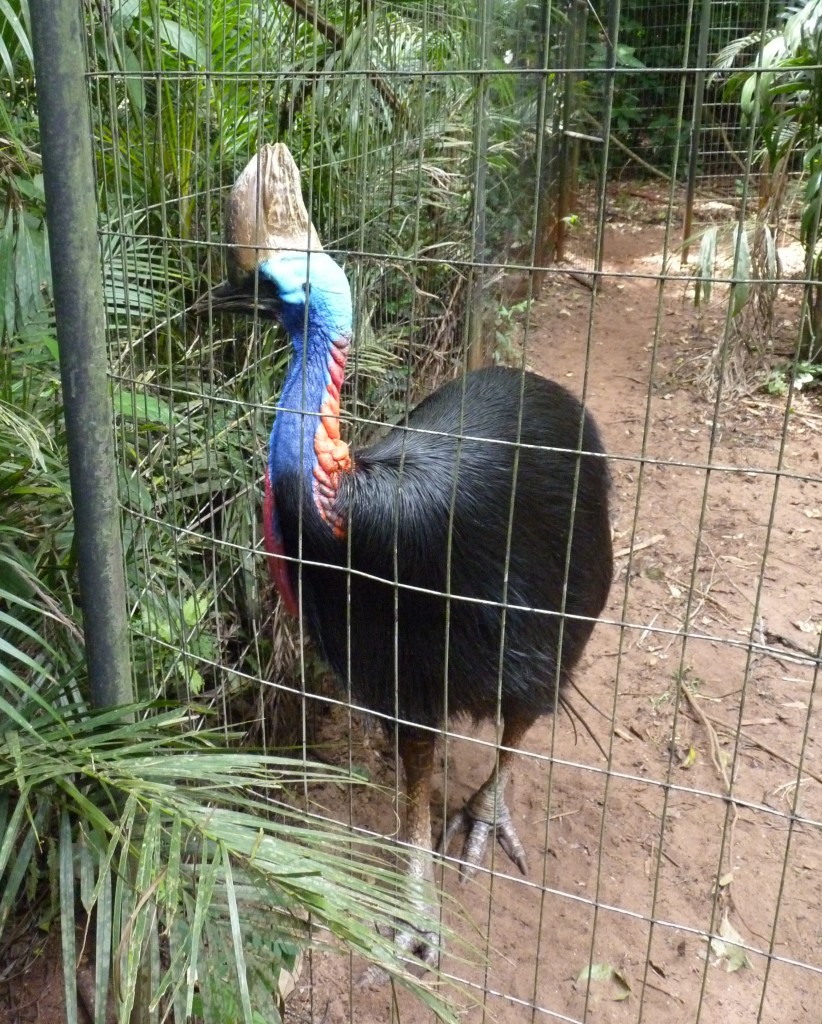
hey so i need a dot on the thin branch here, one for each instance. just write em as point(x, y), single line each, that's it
point(708, 720)
point(718, 763)
point(337, 40)
point(625, 149)
point(622, 552)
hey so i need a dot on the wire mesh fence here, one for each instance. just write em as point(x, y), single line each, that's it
point(504, 183)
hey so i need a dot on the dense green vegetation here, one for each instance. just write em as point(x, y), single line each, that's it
point(783, 102)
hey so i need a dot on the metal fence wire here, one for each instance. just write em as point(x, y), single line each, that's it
point(515, 184)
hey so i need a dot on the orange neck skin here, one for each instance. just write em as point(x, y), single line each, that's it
point(333, 455)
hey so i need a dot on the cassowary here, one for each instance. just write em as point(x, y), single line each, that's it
point(454, 567)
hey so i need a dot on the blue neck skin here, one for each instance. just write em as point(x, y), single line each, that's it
point(329, 321)
point(292, 434)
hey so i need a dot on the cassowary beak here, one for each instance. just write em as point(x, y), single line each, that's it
point(227, 297)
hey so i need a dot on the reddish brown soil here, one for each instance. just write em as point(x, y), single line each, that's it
point(635, 859)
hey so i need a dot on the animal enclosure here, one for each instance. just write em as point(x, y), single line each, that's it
point(585, 191)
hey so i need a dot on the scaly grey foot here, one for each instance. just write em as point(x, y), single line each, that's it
point(485, 812)
point(416, 947)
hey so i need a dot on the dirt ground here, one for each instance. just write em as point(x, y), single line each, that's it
point(634, 860)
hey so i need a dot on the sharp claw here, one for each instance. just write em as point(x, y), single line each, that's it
point(475, 841)
point(467, 871)
point(510, 842)
point(459, 822)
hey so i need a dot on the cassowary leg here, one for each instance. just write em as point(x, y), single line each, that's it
point(487, 812)
point(417, 753)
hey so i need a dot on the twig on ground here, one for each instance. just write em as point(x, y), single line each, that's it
point(716, 759)
point(622, 552)
point(770, 751)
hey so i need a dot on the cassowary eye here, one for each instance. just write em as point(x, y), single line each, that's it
point(266, 290)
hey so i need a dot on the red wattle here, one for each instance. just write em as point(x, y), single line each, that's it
point(337, 374)
point(277, 564)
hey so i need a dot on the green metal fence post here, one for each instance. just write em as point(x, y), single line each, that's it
point(71, 210)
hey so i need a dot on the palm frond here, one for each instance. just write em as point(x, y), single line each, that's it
point(157, 823)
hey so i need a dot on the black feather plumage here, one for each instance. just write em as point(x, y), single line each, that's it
point(429, 507)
